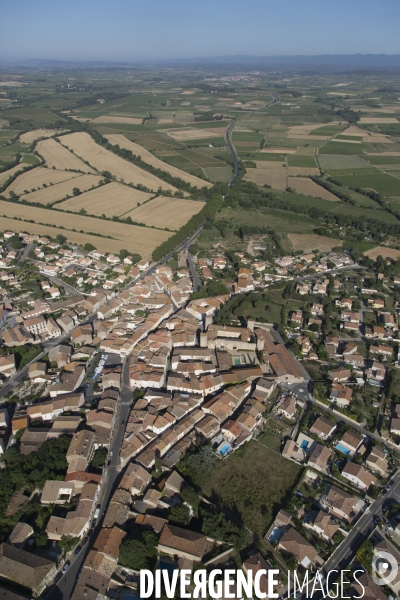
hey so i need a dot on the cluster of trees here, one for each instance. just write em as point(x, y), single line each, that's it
point(139, 552)
point(213, 288)
point(29, 473)
point(253, 304)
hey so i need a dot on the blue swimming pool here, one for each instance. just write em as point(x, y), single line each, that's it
point(275, 534)
point(167, 566)
point(343, 449)
point(304, 445)
point(225, 448)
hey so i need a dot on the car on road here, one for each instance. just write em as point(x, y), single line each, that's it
point(66, 567)
point(123, 421)
point(77, 550)
point(111, 452)
point(108, 463)
point(58, 577)
point(377, 519)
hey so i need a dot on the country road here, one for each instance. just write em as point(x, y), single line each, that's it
point(229, 136)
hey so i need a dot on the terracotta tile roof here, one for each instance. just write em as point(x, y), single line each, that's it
point(183, 540)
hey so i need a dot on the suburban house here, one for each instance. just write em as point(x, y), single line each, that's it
point(295, 544)
point(182, 542)
point(341, 504)
point(323, 428)
point(359, 475)
point(323, 524)
point(350, 443)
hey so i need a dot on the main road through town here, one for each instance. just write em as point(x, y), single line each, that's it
point(64, 587)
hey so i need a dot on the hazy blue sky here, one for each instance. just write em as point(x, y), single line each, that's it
point(132, 30)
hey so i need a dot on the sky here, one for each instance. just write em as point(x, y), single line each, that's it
point(146, 30)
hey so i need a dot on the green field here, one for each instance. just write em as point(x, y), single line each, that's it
point(381, 183)
point(327, 130)
point(383, 160)
point(336, 161)
point(341, 148)
point(31, 159)
point(299, 160)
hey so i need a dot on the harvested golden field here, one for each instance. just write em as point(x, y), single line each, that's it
point(303, 171)
point(56, 192)
point(110, 199)
point(122, 120)
point(278, 150)
point(164, 121)
point(36, 178)
point(308, 242)
point(378, 120)
point(307, 187)
point(83, 146)
point(166, 212)
point(135, 239)
point(4, 175)
point(148, 157)
point(272, 173)
point(56, 155)
point(366, 136)
point(382, 251)
point(344, 141)
point(31, 136)
point(185, 133)
point(305, 151)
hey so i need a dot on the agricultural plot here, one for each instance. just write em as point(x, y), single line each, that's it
point(303, 171)
point(30, 136)
point(216, 174)
point(270, 173)
point(165, 212)
point(200, 160)
point(301, 161)
point(110, 199)
point(328, 130)
point(56, 155)
point(114, 119)
point(391, 253)
point(142, 240)
point(333, 147)
point(185, 133)
point(279, 150)
point(307, 187)
point(309, 242)
point(377, 120)
point(38, 178)
point(4, 175)
point(149, 158)
point(83, 146)
point(381, 183)
point(59, 191)
point(337, 161)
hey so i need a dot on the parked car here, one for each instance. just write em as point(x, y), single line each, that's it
point(66, 567)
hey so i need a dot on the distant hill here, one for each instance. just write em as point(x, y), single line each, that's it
point(331, 61)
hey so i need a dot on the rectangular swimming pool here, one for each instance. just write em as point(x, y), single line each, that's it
point(343, 449)
point(225, 448)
